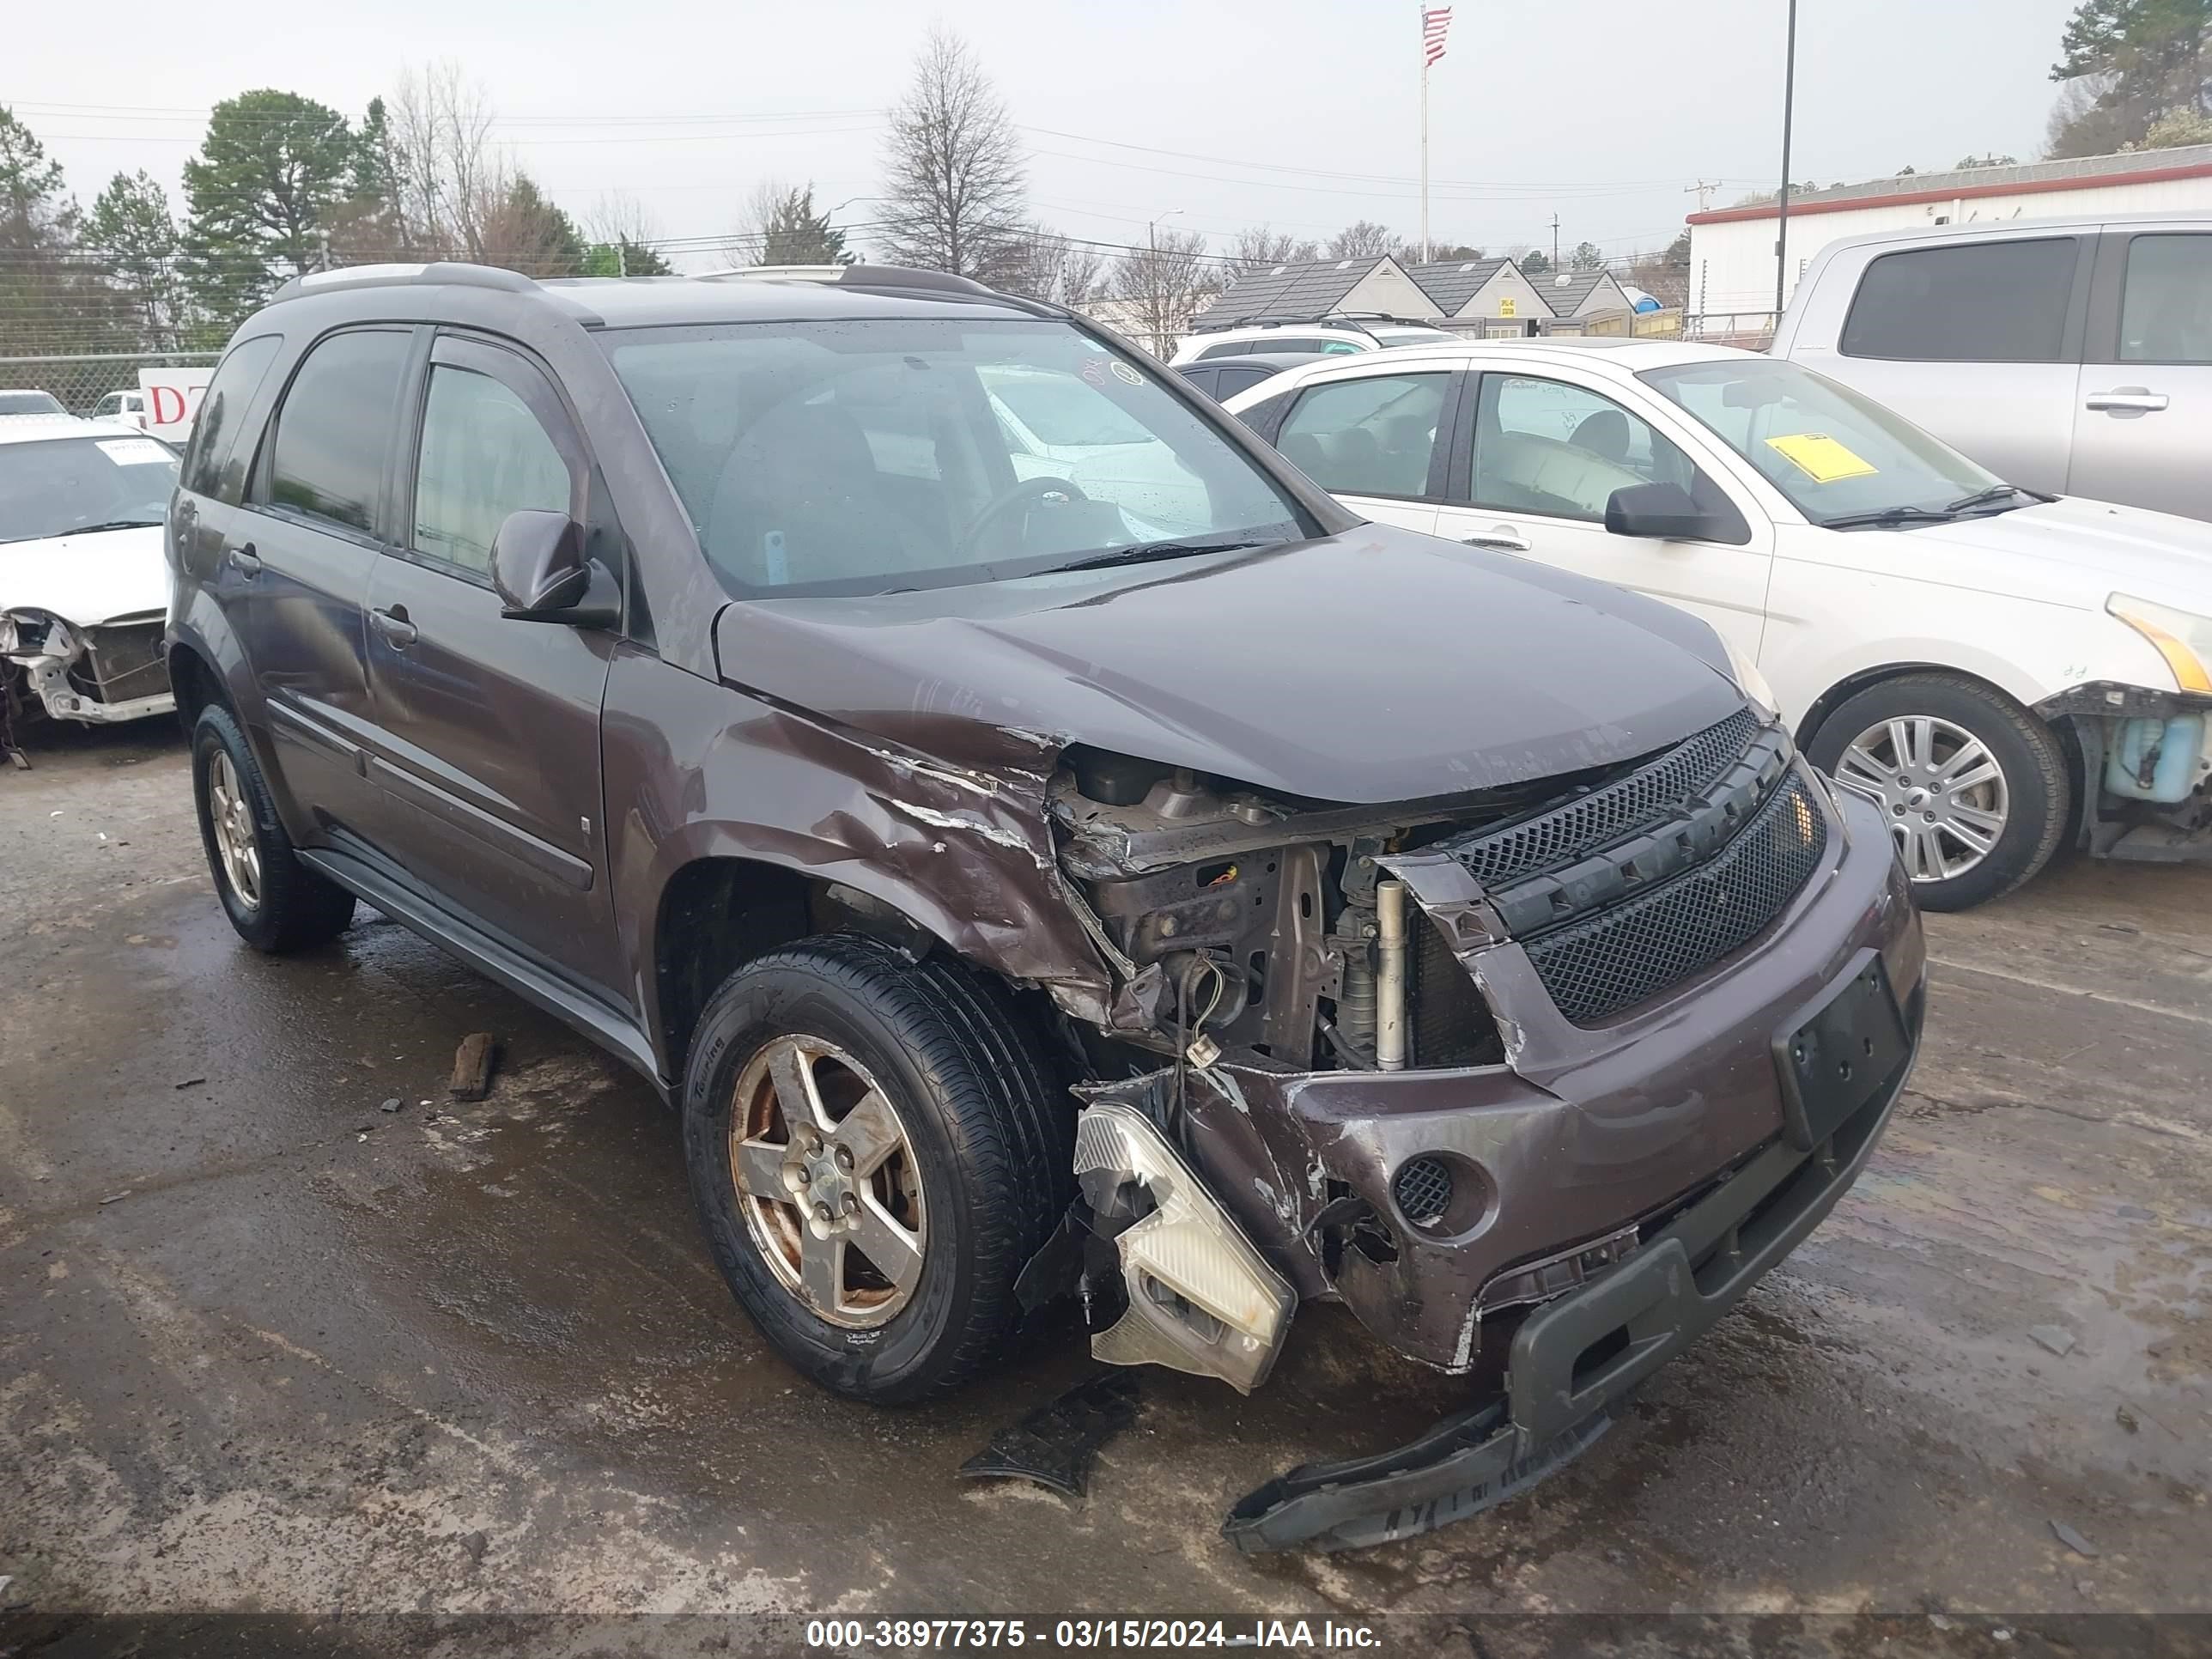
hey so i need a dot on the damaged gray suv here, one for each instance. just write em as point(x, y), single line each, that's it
point(1040, 840)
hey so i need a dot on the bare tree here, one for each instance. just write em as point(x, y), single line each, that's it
point(1165, 285)
point(955, 190)
point(1257, 247)
point(447, 180)
point(1363, 239)
point(1054, 268)
point(618, 217)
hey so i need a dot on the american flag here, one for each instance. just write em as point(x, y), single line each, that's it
point(1434, 24)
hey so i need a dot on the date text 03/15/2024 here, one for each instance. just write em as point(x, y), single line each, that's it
point(907, 1635)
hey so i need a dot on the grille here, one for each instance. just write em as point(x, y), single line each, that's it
point(1623, 956)
point(1423, 1189)
point(1450, 1022)
point(1609, 812)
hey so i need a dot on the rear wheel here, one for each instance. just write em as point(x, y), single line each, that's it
point(1973, 788)
point(877, 1147)
point(275, 902)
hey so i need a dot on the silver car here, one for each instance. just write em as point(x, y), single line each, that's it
point(2071, 356)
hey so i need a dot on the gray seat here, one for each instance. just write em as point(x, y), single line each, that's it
point(804, 474)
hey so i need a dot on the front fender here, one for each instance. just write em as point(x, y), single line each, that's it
point(695, 769)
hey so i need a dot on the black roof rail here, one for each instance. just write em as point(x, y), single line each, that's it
point(888, 279)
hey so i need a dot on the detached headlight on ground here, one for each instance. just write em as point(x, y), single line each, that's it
point(1749, 680)
point(2183, 638)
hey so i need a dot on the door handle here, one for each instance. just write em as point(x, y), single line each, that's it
point(2128, 399)
point(245, 561)
point(1501, 538)
point(393, 624)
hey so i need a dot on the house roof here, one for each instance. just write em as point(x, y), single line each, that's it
point(1292, 290)
point(1565, 290)
point(1452, 283)
point(2034, 178)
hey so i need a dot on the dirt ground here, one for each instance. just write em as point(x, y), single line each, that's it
point(266, 1346)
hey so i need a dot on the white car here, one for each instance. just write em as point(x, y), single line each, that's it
point(2001, 671)
point(1335, 336)
point(124, 408)
point(84, 586)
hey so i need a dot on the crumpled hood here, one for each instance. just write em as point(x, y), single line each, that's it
point(1376, 666)
point(86, 580)
point(2076, 551)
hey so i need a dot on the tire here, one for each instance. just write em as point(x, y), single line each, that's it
point(289, 907)
point(983, 1174)
point(2031, 796)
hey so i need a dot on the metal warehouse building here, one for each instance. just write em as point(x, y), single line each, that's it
point(1732, 250)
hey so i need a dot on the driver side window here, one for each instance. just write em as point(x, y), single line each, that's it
point(1547, 448)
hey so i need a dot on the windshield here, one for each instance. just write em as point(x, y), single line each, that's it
point(54, 486)
point(1833, 452)
point(1059, 410)
point(865, 457)
point(30, 403)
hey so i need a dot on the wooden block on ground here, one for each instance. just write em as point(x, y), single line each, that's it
point(472, 1066)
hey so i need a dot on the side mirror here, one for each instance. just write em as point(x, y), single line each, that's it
point(537, 565)
point(1662, 511)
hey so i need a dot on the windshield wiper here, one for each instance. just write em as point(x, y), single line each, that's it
point(112, 523)
point(1147, 552)
point(1992, 496)
point(1888, 517)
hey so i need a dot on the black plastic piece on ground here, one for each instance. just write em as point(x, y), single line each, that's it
point(1461, 1466)
point(1052, 1444)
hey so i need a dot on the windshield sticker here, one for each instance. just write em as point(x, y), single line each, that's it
point(1820, 458)
point(1125, 375)
point(1094, 371)
point(132, 452)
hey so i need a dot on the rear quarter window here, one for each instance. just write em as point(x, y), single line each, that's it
point(222, 406)
point(1991, 302)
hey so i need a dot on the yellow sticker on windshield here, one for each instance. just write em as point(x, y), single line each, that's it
point(1820, 458)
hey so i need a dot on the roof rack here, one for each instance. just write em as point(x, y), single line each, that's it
point(909, 278)
point(450, 272)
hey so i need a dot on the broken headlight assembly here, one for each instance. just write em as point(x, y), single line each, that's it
point(31, 634)
point(1200, 1298)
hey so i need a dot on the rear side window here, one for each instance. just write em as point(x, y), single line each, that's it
point(2165, 305)
point(1371, 436)
point(1989, 303)
point(1227, 348)
point(1234, 380)
point(334, 433)
point(1202, 380)
point(223, 404)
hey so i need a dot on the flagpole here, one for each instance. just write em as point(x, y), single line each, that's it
point(1424, 13)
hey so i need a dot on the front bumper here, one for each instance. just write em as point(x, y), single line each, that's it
point(1578, 1356)
point(1585, 1134)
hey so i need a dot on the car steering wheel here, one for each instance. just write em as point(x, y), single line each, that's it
point(1021, 493)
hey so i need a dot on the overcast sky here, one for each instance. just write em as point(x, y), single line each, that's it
point(1600, 110)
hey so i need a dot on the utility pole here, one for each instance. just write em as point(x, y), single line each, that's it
point(1703, 192)
point(1555, 242)
point(1781, 202)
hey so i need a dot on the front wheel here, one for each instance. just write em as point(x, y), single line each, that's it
point(1974, 787)
point(877, 1147)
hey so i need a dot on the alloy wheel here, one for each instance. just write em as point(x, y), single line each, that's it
point(1940, 789)
point(234, 841)
point(828, 1180)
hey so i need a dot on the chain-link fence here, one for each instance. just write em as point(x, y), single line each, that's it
point(81, 382)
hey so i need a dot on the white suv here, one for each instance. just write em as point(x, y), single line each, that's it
point(1335, 335)
point(1997, 669)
